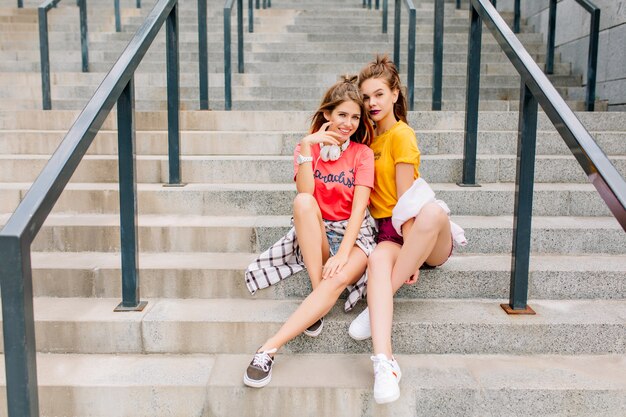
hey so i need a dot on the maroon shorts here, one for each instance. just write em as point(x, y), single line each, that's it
point(387, 233)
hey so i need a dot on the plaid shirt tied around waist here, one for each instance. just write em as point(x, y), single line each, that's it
point(284, 259)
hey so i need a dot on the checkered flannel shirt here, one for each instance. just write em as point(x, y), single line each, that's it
point(284, 259)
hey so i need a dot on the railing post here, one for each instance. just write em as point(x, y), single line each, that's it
point(20, 4)
point(269, 4)
point(128, 200)
point(44, 58)
point(472, 98)
point(458, 4)
point(522, 216)
point(84, 42)
point(250, 17)
point(18, 325)
point(396, 33)
point(410, 76)
point(377, 4)
point(203, 55)
point(227, 60)
point(118, 19)
point(240, 34)
point(516, 17)
point(258, 4)
point(173, 96)
point(551, 37)
point(369, 4)
point(385, 14)
point(592, 60)
point(438, 55)
point(364, 4)
point(138, 4)
point(265, 4)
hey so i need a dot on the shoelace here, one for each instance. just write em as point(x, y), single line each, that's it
point(262, 360)
point(381, 365)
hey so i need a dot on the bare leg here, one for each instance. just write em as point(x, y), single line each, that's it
point(380, 295)
point(320, 301)
point(307, 219)
point(428, 240)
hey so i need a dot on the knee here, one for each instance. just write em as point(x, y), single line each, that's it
point(303, 203)
point(431, 218)
point(338, 282)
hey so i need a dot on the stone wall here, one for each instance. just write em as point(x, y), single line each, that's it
point(572, 41)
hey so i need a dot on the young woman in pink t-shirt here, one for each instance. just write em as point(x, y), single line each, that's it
point(332, 233)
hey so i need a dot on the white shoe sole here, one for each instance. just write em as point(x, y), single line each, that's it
point(256, 384)
point(316, 332)
point(388, 399)
point(358, 337)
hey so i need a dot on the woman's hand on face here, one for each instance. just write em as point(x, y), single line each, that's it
point(322, 136)
point(334, 265)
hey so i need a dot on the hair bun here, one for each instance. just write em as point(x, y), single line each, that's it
point(349, 78)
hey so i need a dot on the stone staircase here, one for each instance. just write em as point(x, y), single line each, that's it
point(185, 354)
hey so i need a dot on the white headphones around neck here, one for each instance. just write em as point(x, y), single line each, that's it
point(332, 152)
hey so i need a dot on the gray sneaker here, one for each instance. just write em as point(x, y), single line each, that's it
point(315, 329)
point(259, 372)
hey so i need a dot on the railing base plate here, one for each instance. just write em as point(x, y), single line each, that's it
point(528, 311)
point(460, 184)
point(120, 308)
point(182, 184)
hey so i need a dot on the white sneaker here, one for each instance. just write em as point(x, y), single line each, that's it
point(387, 375)
point(360, 327)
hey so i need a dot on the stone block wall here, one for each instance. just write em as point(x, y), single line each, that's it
point(572, 41)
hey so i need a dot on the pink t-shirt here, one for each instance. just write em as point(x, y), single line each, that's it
point(335, 180)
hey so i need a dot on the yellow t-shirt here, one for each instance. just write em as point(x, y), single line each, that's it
point(397, 145)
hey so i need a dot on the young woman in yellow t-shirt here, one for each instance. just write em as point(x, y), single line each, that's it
point(426, 239)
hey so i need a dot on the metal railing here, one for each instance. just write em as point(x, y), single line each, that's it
point(22, 227)
point(396, 43)
point(536, 90)
point(369, 4)
point(118, 18)
point(228, 7)
point(592, 58)
point(44, 48)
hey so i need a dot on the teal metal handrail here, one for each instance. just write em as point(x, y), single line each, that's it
point(16, 237)
point(592, 56)
point(396, 42)
point(44, 48)
point(118, 18)
point(228, 7)
point(536, 90)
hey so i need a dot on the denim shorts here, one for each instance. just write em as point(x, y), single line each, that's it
point(334, 240)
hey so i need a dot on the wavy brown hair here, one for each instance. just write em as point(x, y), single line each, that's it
point(382, 67)
point(345, 89)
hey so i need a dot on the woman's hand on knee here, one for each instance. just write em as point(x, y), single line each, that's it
point(334, 265)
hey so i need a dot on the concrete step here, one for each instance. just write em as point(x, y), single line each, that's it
point(248, 93)
point(220, 275)
point(32, 80)
point(283, 105)
point(295, 121)
point(442, 326)
point(276, 199)
point(279, 169)
point(194, 233)
point(44, 142)
point(436, 385)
